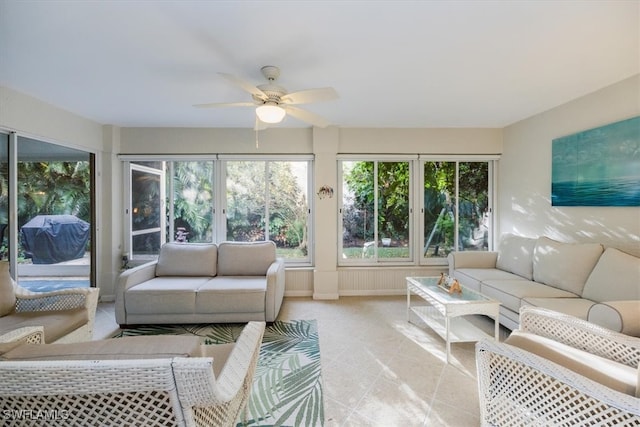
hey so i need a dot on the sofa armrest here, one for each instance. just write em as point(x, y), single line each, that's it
point(581, 334)
point(619, 316)
point(526, 389)
point(128, 279)
point(471, 259)
point(275, 289)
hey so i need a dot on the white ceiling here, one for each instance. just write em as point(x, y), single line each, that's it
point(393, 63)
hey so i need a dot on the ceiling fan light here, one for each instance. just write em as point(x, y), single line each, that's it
point(270, 113)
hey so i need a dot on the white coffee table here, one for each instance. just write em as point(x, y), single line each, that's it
point(444, 312)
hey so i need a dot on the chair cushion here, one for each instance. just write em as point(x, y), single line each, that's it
point(7, 293)
point(563, 265)
point(187, 259)
point(56, 324)
point(220, 354)
point(611, 374)
point(245, 258)
point(615, 277)
point(140, 347)
point(516, 255)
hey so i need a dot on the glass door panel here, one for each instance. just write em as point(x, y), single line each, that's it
point(55, 216)
point(147, 216)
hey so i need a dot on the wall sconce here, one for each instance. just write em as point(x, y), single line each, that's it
point(325, 191)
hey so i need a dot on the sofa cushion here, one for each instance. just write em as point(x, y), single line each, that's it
point(511, 292)
point(473, 277)
point(56, 324)
point(564, 265)
point(7, 293)
point(231, 294)
point(187, 259)
point(615, 277)
point(614, 375)
point(245, 258)
point(577, 307)
point(164, 295)
point(516, 255)
point(141, 347)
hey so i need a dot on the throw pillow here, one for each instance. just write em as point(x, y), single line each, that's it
point(187, 259)
point(516, 255)
point(564, 265)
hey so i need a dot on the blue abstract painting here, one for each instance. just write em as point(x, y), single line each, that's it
point(598, 167)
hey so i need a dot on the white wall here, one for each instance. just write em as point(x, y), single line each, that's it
point(524, 183)
point(34, 118)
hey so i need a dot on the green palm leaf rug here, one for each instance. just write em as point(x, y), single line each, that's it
point(287, 386)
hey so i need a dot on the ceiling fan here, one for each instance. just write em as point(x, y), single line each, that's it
point(273, 102)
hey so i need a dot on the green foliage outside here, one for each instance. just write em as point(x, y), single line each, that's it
point(393, 205)
point(46, 188)
point(249, 185)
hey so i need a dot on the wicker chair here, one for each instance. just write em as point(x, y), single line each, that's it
point(179, 391)
point(34, 309)
point(517, 387)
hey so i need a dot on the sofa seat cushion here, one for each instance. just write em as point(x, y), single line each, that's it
point(164, 295)
point(142, 347)
point(611, 374)
point(511, 292)
point(577, 307)
point(232, 294)
point(56, 324)
point(472, 277)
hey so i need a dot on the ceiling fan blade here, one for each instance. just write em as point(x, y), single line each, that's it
point(225, 104)
point(307, 116)
point(245, 85)
point(310, 95)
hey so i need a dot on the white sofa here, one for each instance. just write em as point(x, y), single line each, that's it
point(233, 282)
point(582, 280)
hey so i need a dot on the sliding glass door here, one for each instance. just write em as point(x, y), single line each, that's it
point(55, 216)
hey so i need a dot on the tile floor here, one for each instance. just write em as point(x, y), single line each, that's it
point(378, 369)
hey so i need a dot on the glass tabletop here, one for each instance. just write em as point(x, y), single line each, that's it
point(431, 284)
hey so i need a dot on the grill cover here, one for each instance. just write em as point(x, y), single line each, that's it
point(50, 239)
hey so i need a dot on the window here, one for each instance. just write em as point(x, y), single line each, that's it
point(456, 212)
point(377, 221)
point(376, 211)
point(228, 198)
point(268, 200)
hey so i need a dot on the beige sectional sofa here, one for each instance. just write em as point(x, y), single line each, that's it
point(582, 280)
point(203, 283)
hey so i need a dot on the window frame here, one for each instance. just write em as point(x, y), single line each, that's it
point(219, 200)
point(376, 260)
point(491, 179)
